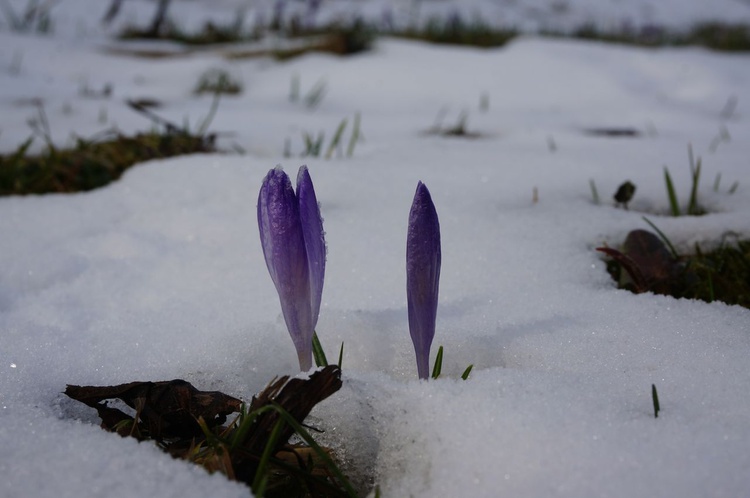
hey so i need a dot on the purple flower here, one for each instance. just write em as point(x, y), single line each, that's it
point(291, 234)
point(422, 275)
point(315, 242)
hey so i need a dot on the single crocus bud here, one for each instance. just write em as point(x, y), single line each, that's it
point(422, 275)
point(291, 234)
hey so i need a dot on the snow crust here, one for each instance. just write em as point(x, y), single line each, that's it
point(161, 274)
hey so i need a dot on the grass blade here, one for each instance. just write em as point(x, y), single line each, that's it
point(302, 433)
point(336, 138)
point(355, 135)
point(438, 367)
point(307, 138)
point(203, 126)
point(693, 204)
point(318, 144)
point(261, 476)
point(312, 145)
point(655, 399)
point(315, 95)
point(318, 353)
point(341, 354)
point(466, 373)
point(663, 238)
point(674, 206)
point(243, 427)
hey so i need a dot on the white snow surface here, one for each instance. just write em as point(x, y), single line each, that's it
point(160, 275)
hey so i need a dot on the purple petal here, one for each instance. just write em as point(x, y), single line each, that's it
point(286, 258)
point(422, 275)
point(315, 244)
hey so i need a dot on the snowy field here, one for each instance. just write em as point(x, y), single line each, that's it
point(161, 275)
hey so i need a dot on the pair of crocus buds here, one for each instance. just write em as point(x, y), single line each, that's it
point(291, 234)
point(423, 259)
point(293, 241)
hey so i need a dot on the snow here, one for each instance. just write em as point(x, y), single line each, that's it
point(161, 275)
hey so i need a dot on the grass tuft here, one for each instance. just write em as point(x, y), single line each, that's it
point(455, 31)
point(693, 208)
point(35, 17)
point(217, 81)
point(458, 130)
point(647, 263)
point(313, 144)
point(211, 33)
point(713, 35)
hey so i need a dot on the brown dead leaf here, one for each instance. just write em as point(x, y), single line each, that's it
point(649, 265)
point(167, 409)
point(172, 412)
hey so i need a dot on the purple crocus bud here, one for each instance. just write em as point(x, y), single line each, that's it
point(283, 230)
point(315, 244)
point(422, 275)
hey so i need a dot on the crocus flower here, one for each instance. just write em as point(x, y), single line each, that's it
point(291, 233)
point(422, 275)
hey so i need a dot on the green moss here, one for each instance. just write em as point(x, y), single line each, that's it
point(90, 164)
